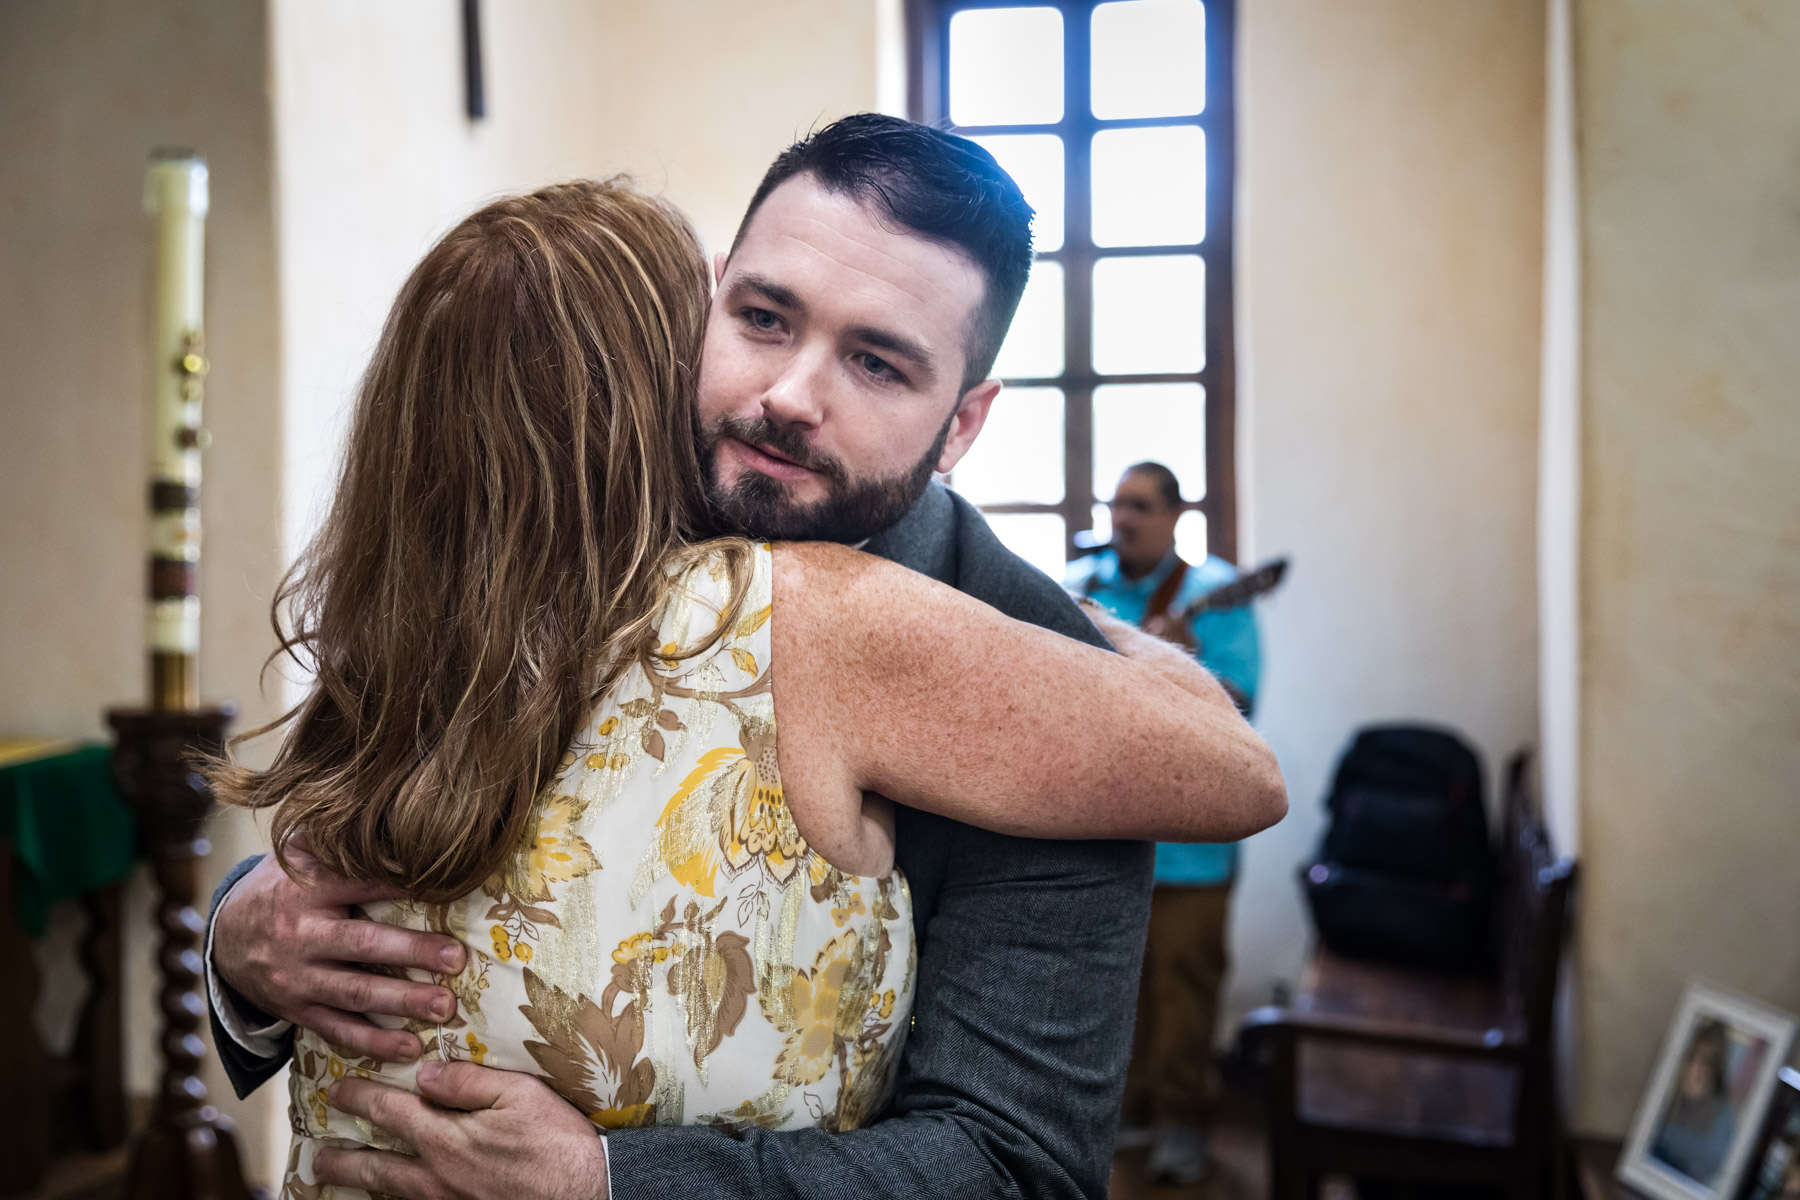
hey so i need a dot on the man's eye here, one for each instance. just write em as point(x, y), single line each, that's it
point(761, 318)
point(878, 367)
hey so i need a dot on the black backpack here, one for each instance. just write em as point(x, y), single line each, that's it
point(1406, 872)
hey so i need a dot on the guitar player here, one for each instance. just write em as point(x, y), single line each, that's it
point(1172, 1087)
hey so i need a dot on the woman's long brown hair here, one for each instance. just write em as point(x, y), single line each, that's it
point(519, 485)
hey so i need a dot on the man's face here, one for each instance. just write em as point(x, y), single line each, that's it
point(831, 381)
point(1143, 523)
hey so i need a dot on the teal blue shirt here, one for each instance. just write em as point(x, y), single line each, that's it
point(1228, 648)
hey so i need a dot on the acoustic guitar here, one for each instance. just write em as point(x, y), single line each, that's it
point(1239, 591)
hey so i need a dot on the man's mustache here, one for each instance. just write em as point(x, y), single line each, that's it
point(784, 440)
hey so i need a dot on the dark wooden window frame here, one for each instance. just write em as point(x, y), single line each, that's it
point(928, 24)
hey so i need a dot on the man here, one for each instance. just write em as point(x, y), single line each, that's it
point(1171, 1087)
point(854, 324)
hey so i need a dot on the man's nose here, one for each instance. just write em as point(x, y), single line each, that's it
point(794, 398)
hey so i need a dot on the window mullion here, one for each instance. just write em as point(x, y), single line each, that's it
point(1220, 371)
point(1078, 280)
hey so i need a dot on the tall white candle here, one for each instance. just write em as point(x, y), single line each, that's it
point(175, 197)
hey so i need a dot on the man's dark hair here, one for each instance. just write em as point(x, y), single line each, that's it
point(938, 185)
point(1166, 483)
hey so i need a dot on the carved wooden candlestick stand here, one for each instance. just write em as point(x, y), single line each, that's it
point(188, 1152)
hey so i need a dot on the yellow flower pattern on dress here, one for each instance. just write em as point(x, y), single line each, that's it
point(815, 1026)
point(662, 946)
point(551, 852)
point(729, 815)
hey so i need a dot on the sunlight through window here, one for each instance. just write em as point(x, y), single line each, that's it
point(1114, 119)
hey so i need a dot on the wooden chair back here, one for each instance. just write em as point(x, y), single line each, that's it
point(1418, 1024)
point(1537, 886)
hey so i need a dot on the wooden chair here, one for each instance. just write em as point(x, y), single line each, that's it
point(1388, 1073)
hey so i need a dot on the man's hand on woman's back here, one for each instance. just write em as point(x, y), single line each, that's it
point(291, 947)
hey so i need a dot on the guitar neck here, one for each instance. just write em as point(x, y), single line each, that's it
point(1239, 591)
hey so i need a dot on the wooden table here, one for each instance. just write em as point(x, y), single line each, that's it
point(64, 835)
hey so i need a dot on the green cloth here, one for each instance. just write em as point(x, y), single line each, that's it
point(71, 833)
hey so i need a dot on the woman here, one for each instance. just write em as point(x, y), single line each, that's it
point(548, 712)
point(1700, 1121)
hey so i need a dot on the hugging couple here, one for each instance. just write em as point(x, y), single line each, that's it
point(681, 763)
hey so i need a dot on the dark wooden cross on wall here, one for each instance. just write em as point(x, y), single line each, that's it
point(474, 94)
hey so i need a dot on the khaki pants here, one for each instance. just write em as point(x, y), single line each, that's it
point(1172, 1080)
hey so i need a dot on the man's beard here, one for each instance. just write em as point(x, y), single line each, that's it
point(851, 512)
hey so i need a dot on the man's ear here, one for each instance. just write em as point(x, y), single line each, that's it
point(720, 258)
point(971, 415)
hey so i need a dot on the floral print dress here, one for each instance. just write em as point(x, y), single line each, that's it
point(663, 946)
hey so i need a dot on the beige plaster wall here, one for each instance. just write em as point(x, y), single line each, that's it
point(87, 89)
point(701, 94)
point(1689, 126)
point(1390, 268)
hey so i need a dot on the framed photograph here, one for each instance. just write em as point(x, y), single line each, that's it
point(1774, 1172)
point(1702, 1114)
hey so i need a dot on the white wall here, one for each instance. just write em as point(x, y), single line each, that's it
point(1689, 130)
point(1390, 265)
point(375, 158)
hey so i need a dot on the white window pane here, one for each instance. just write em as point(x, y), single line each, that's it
point(1006, 66)
point(1149, 59)
point(1019, 456)
point(1150, 422)
point(1101, 533)
point(1034, 345)
point(1035, 161)
point(1149, 314)
point(1149, 186)
point(1190, 536)
point(1035, 537)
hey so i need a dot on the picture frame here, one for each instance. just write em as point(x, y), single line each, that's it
point(1702, 1115)
point(1773, 1172)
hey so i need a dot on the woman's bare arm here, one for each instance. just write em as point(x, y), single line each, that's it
point(888, 682)
point(1172, 662)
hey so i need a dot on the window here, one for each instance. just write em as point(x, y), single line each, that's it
point(1116, 120)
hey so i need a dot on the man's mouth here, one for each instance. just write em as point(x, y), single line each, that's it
point(768, 462)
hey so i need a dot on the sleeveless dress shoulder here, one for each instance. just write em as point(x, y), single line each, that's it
point(662, 946)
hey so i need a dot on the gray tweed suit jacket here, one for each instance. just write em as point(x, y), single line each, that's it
point(1029, 953)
